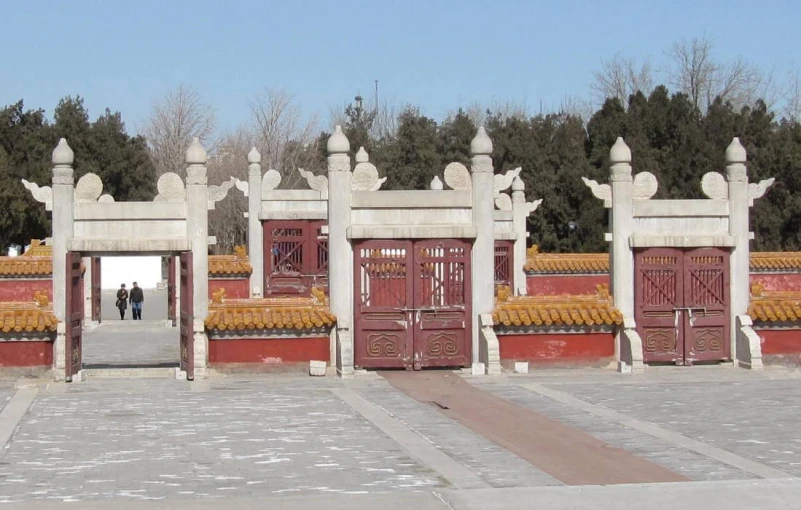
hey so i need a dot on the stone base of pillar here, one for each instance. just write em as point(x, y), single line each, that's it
point(631, 358)
point(59, 353)
point(201, 345)
point(488, 346)
point(344, 352)
point(749, 345)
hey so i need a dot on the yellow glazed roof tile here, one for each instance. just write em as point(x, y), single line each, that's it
point(773, 306)
point(268, 313)
point(563, 310)
point(225, 265)
point(36, 261)
point(28, 317)
point(566, 263)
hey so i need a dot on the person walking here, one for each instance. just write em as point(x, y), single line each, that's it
point(137, 298)
point(122, 301)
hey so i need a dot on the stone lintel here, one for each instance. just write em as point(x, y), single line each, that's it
point(411, 231)
point(680, 208)
point(505, 236)
point(129, 211)
point(679, 241)
point(125, 246)
point(411, 199)
point(304, 214)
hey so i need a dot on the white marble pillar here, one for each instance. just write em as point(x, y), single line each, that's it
point(483, 187)
point(198, 234)
point(255, 232)
point(737, 178)
point(62, 228)
point(340, 252)
point(622, 220)
point(520, 212)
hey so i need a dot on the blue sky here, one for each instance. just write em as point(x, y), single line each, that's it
point(437, 54)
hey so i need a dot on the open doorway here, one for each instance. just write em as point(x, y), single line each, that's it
point(121, 339)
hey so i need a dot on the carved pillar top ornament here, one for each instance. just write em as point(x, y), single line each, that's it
point(254, 161)
point(481, 150)
point(735, 161)
point(62, 159)
point(620, 161)
point(196, 159)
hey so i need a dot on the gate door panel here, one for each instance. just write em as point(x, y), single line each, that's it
point(96, 290)
point(706, 305)
point(658, 293)
point(187, 318)
point(382, 297)
point(74, 316)
point(171, 294)
point(441, 303)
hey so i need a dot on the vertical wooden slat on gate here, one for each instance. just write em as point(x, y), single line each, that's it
point(73, 318)
point(187, 316)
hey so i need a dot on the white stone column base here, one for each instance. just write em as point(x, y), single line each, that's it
point(59, 353)
point(344, 352)
point(749, 345)
point(488, 348)
point(631, 356)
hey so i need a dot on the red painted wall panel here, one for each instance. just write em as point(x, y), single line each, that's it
point(23, 289)
point(783, 282)
point(550, 347)
point(26, 354)
point(780, 341)
point(553, 285)
point(238, 288)
point(269, 351)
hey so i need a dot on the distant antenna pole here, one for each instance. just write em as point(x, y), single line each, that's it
point(376, 95)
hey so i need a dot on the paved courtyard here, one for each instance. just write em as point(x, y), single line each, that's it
point(292, 441)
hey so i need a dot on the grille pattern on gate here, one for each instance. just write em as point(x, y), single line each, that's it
point(287, 250)
point(442, 277)
point(503, 263)
point(383, 277)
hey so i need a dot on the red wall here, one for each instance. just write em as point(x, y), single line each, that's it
point(23, 289)
point(237, 288)
point(269, 351)
point(553, 348)
point(782, 282)
point(781, 346)
point(26, 354)
point(555, 284)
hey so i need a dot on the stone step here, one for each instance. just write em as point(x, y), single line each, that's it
point(89, 374)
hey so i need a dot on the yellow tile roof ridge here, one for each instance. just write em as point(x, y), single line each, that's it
point(26, 317)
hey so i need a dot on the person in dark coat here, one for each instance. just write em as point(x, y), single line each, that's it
point(137, 298)
point(122, 301)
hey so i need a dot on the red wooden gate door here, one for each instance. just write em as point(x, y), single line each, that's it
point(412, 304)
point(96, 290)
point(73, 316)
point(171, 297)
point(382, 298)
point(187, 317)
point(441, 315)
point(706, 305)
point(296, 256)
point(682, 304)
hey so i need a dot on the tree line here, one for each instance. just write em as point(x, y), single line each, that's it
point(678, 131)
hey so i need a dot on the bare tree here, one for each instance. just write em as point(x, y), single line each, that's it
point(174, 121)
point(792, 97)
point(620, 78)
point(281, 134)
point(227, 221)
point(695, 72)
point(479, 113)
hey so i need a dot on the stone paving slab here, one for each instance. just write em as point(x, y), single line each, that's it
point(675, 458)
point(497, 466)
point(5, 396)
point(162, 440)
point(131, 343)
point(756, 419)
